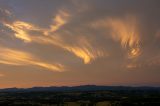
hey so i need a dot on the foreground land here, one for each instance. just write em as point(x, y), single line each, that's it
point(131, 97)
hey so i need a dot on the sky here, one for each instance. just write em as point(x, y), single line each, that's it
point(79, 42)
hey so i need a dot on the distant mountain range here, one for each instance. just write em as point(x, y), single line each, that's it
point(77, 88)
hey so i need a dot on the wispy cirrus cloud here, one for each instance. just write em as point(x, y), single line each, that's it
point(126, 36)
point(16, 57)
point(21, 30)
point(59, 20)
point(81, 48)
point(124, 30)
point(5, 15)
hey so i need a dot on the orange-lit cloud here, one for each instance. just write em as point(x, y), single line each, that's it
point(132, 66)
point(85, 51)
point(15, 57)
point(134, 52)
point(2, 75)
point(81, 48)
point(21, 30)
point(125, 37)
point(60, 19)
point(147, 63)
point(125, 31)
point(153, 61)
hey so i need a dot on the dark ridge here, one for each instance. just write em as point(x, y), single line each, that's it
point(78, 88)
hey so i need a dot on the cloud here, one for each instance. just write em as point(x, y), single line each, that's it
point(131, 66)
point(60, 19)
point(121, 28)
point(124, 31)
point(81, 48)
point(149, 63)
point(21, 30)
point(126, 36)
point(2, 75)
point(15, 57)
point(85, 51)
point(5, 15)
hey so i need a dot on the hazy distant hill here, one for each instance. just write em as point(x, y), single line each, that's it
point(77, 88)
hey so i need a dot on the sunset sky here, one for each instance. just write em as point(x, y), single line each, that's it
point(79, 42)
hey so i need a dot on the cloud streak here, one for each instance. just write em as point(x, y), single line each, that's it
point(124, 31)
point(5, 15)
point(22, 29)
point(60, 20)
point(81, 48)
point(15, 57)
